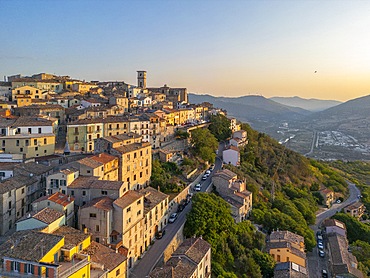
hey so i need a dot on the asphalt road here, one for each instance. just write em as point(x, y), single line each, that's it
point(315, 263)
point(151, 257)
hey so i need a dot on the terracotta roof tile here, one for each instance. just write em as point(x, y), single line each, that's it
point(101, 254)
point(104, 203)
point(58, 198)
point(94, 182)
point(128, 198)
point(72, 236)
point(48, 215)
point(29, 245)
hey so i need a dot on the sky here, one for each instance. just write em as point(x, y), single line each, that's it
point(312, 49)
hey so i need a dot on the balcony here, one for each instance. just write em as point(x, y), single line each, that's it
point(68, 268)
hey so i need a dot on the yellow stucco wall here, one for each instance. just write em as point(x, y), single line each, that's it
point(49, 257)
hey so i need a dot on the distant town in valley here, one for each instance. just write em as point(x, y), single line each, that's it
point(107, 179)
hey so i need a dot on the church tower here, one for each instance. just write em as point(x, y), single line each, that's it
point(141, 79)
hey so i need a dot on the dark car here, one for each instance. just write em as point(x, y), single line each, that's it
point(180, 208)
point(160, 234)
point(324, 273)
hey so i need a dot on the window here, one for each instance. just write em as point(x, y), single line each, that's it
point(89, 137)
point(45, 141)
point(139, 212)
point(17, 143)
point(35, 142)
point(27, 142)
point(138, 202)
point(118, 271)
point(3, 143)
point(134, 155)
point(141, 174)
point(97, 228)
point(10, 205)
point(72, 192)
point(84, 193)
point(88, 171)
point(29, 130)
point(22, 190)
point(21, 149)
point(39, 130)
point(134, 177)
point(128, 209)
point(92, 215)
point(104, 192)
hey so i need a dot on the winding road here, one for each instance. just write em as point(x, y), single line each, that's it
point(152, 256)
point(315, 263)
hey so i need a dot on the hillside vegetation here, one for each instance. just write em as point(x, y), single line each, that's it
point(283, 184)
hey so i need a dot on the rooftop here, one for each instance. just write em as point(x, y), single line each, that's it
point(94, 182)
point(333, 222)
point(286, 236)
point(104, 158)
point(104, 203)
point(121, 137)
point(58, 198)
point(152, 198)
point(48, 215)
point(225, 174)
point(32, 121)
point(175, 268)
point(341, 259)
point(15, 183)
point(128, 198)
point(132, 147)
point(193, 248)
point(356, 205)
point(289, 270)
point(33, 168)
point(29, 245)
point(106, 256)
point(72, 236)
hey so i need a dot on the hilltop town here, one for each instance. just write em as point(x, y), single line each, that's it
point(77, 196)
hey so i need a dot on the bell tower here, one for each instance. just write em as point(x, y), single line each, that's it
point(141, 79)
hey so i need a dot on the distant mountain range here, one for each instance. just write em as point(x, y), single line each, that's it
point(346, 125)
point(252, 108)
point(312, 104)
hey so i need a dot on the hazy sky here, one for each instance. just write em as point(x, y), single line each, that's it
point(227, 48)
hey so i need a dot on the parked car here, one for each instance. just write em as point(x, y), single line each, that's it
point(198, 187)
point(204, 177)
point(339, 201)
point(320, 245)
point(173, 217)
point(321, 253)
point(160, 234)
point(208, 172)
point(324, 273)
point(180, 207)
point(319, 237)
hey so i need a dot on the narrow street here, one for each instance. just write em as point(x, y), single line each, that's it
point(315, 263)
point(155, 251)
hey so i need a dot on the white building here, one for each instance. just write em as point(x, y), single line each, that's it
point(231, 156)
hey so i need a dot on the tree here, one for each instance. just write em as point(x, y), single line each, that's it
point(204, 144)
point(265, 261)
point(220, 127)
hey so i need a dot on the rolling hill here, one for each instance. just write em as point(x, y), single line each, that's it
point(313, 105)
point(252, 108)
